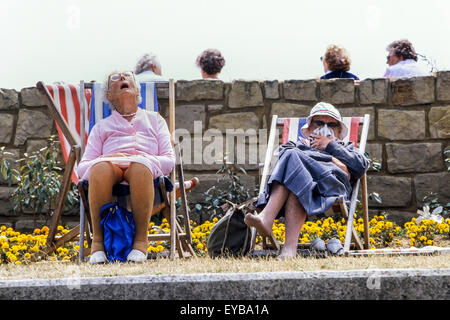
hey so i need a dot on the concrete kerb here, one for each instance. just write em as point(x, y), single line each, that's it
point(378, 284)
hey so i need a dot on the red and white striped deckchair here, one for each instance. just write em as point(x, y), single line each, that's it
point(291, 131)
point(74, 117)
point(67, 102)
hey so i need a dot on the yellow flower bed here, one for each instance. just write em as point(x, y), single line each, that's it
point(16, 247)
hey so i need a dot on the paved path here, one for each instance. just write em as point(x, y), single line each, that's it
point(355, 284)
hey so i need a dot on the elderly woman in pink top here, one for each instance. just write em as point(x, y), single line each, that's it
point(132, 145)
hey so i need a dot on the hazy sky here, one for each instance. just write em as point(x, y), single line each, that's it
point(73, 40)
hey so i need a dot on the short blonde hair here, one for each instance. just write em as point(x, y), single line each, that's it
point(337, 58)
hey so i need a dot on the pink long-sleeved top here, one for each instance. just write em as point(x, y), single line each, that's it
point(145, 139)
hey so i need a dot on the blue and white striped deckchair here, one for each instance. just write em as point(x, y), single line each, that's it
point(100, 107)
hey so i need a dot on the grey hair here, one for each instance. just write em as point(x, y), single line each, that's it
point(105, 87)
point(146, 61)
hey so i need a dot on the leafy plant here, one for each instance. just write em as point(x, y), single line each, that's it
point(216, 198)
point(37, 179)
point(431, 200)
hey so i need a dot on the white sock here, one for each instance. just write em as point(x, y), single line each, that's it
point(136, 256)
point(98, 257)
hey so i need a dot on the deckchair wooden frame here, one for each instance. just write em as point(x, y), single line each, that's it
point(340, 205)
point(180, 240)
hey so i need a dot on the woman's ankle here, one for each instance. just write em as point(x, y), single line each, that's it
point(140, 245)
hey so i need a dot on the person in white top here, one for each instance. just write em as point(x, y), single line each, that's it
point(148, 68)
point(402, 61)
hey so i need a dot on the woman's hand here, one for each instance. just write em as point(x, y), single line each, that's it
point(319, 142)
point(340, 165)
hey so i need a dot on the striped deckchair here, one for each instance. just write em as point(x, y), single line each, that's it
point(74, 118)
point(67, 103)
point(291, 131)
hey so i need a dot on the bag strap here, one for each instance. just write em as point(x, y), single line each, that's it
point(226, 231)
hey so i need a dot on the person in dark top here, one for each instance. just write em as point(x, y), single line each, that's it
point(309, 176)
point(210, 63)
point(336, 63)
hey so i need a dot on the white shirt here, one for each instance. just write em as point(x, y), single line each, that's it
point(405, 68)
point(149, 76)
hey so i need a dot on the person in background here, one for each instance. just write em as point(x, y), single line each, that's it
point(336, 63)
point(402, 61)
point(210, 63)
point(148, 68)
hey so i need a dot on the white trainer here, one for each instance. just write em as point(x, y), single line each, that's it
point(136, 256)
point(98, 257)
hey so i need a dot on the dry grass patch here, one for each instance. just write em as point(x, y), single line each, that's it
point(161, 266)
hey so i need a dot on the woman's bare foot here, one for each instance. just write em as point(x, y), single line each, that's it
point(256, 221)
point(288, 253)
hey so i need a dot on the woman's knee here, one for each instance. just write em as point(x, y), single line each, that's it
point(104, 172)
point(138, 171)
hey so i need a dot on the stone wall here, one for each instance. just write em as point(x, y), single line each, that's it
point(409, 129)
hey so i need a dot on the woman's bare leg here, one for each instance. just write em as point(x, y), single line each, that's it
point(263, 222)
point(295, 216)
point(102, 177)
point(142, 195)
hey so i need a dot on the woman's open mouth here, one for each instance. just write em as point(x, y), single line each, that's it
point(124, 86)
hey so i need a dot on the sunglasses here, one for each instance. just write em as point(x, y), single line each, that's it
point(117, 76)
point(332, 125)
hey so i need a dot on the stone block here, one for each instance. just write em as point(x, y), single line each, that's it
point(300, 90)
point(337, 91)
point(6, 206)
point(28, 225)
point(271, 90)
point(394, 191)
point(220, 181)
point(31, 97)
point(373, 91)
point(215, 107)
point(9, 99)
point(239, 120)
point(6, 127)
point(443, 86)
point(36, 145)
point(245, 94)
point(401, 124)
point(185, 115)
point(412, 91)
point(360, 112)
point(202, 153)
point(199, 90)
point(432, 182)
point(439, 122)
point(289, 110)
point(414, 157)
point(32, 124)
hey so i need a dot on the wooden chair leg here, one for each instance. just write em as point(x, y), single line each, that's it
point(365, 203)
point(354, 235)
point(65, 184)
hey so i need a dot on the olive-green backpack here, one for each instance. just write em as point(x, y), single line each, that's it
point(230, 236)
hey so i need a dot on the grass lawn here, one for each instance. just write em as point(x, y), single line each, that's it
point(162, 266)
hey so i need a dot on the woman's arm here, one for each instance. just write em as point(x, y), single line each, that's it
point(93, 151)
point(357, 164)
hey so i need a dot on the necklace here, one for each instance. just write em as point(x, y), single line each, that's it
point(128, 115)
